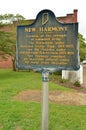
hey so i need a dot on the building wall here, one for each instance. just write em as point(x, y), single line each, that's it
point(69, 18)
point(6, 63)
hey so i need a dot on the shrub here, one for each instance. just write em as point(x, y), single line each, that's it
point(63, 80)
point(77, 84)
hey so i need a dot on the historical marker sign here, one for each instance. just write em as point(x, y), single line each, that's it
point(47, 43)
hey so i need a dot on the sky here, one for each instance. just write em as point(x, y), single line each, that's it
point(30, 8)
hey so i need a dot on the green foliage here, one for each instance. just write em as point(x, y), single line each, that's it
point(77, 84)
point(9, 18)
point(63, 80)
point(82, 47)
point(7, 43)
point(8, 34)
point(58, 72)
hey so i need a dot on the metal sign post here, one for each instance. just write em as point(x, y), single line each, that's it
point(45, 102)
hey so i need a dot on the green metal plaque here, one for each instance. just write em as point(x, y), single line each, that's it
point(47, 43)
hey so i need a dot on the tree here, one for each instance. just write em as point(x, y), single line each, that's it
point(7, 44)
point(1, 17)
point(19, 17)
point(82, 47)
point(9, 18)
point(8, 38)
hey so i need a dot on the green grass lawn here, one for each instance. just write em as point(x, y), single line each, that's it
point(17, 115)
